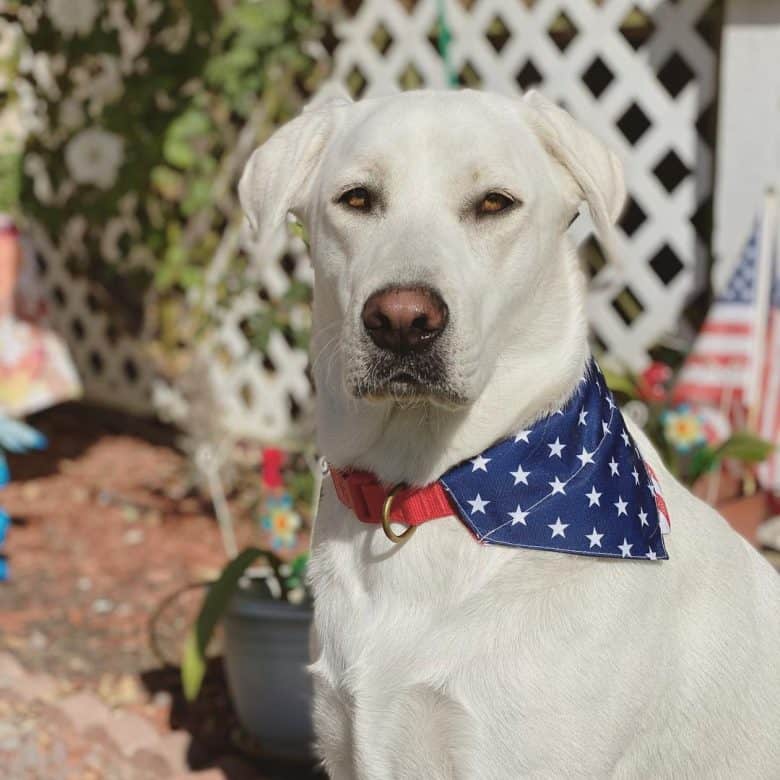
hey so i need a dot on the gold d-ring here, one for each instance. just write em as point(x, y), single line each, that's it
point(389, 533)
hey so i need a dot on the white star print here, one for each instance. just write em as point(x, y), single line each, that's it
point(585, 456)
point(557, 487)
point(635, 475)
point(651, 555)
point(478, 504)
point(556, 448)
point(520, 475)
point(625, 548)
point(594, 538)
point(605, 427)
point(613, 467)
point(583, 415)
point(610, 402)
point(593, 497)
point(522, 436)
point(624, 436)
point(643, 517)
point(621, 506)
point(558, 528)
point(480, 463)
point(518, 516)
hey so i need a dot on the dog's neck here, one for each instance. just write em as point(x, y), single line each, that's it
point(534, 374)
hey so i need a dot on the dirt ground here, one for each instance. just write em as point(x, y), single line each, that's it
point(100, 537)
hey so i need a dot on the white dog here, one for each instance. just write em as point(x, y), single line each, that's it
point(449, 313)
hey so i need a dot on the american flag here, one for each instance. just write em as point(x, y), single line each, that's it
point(769, 426)
point(735, 361)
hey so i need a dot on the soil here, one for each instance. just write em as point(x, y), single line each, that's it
point(101, 536)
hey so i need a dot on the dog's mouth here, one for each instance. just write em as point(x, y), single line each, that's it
point(407, 381)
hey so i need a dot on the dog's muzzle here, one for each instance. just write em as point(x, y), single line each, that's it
point(404, 352)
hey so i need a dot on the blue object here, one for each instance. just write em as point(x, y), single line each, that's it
point(572, 482)
point(16, 436)
point(5, 522)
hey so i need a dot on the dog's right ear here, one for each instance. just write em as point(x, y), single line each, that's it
point(278, 176)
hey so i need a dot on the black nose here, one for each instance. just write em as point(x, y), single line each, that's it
point(405, 319)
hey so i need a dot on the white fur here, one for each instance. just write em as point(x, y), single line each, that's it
point(442, 658)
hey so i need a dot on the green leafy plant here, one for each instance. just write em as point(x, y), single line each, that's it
point(281, 579)
point(133, 179)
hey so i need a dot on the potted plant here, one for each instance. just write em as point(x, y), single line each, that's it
point(265, 609)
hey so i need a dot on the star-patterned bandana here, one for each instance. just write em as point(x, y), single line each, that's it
point(573, 482)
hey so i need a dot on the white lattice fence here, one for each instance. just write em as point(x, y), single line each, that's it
point(641, 75)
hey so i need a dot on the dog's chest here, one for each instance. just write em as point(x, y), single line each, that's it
point(462, 645)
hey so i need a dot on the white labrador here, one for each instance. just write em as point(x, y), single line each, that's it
point(443, 658)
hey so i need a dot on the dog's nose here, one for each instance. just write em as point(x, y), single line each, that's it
point(404, 319)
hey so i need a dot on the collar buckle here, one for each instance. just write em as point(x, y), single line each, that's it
point(386, 509)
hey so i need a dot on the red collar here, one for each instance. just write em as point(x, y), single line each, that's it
point(365, 495)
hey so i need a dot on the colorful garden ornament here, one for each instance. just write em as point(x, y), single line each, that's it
point(279, 517)
point(14, 437)
point(36, 370)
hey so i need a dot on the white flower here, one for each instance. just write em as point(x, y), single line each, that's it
point(94, 156)
point(73, 17)
point(71, 113)
point(97, 81)
point(10, 40)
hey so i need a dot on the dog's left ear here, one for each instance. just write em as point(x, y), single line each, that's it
point(278, 177)
point(595, 169)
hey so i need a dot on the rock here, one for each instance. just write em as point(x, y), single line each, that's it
point(133, 536)
point(152, 763)
point(31, 491)
point(85, 710)
point(11, 671)
point(135, 732)
point(768, 534)
point(38, 640)
point(84, 584)
point(130, 513)
point(174, 747)
point(102, 606)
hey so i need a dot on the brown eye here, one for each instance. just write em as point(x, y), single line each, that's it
point(358, 198)
point(493, 203)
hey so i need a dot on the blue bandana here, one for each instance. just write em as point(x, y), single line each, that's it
point(573, 482)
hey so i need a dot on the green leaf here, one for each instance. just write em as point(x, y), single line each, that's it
point(193, 663)
point(704, 459)
point(193, 667)
point(746, 447)
point(299, 564)
point(619, 383)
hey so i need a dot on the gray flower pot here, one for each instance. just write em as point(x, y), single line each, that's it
point(266, 653)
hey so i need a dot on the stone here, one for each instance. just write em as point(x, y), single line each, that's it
point(134, 732)
point(175, 747)
point(85, 710)
point(11, 671)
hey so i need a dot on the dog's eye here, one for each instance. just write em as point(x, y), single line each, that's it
point(493, 203)
point(358, 198)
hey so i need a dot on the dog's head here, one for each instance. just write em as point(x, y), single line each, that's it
point(436, 221)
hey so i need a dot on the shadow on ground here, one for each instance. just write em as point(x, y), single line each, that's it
point(216, 739)
point(73, 428)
